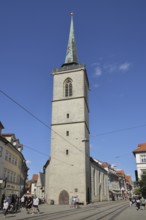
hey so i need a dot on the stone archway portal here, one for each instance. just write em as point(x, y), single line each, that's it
point(64, 198)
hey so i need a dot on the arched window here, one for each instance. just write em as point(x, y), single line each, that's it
point(68, 87)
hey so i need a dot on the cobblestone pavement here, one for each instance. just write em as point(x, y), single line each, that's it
point(118, 210)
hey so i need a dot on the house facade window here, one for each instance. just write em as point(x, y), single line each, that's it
point(67, 133)
point(143, 158)
point(143, 172)
point(68, 90)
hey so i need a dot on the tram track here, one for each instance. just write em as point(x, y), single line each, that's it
point(92, 212)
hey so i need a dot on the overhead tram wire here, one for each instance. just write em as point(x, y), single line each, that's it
point(119, 130)
point(39, 152)
point(30, 113)
point(101, 134)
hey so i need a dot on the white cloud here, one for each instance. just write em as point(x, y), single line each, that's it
point(28, 161)
point(96, 85)
point(124, 66)
point(112, 68)
point(101, 68)
point(98, 71)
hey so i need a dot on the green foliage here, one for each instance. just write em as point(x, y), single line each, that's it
point(137, 191)
point(142, 185)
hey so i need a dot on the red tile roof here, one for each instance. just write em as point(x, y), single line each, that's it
point(141, 148)
point(7, 134)
point(105, 164)
point(120, 172)
point(128, 178)
point(34, 177)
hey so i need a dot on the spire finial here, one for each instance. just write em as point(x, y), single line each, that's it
point(71, 53)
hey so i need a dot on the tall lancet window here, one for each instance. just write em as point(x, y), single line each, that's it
point(68, 87)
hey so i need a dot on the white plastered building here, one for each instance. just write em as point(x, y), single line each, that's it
point(140, 156)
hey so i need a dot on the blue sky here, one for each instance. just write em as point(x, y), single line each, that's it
point(111, 42)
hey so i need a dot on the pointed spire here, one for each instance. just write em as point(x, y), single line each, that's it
point(71, 53)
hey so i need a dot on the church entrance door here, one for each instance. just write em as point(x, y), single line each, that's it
point(64, 198)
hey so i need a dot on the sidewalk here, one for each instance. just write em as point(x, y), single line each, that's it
point(130, 213)
point(44, 209)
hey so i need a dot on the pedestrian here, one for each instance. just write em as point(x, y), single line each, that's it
point(6, 205)
point(2, 201)
point(22, 200)
point(71, 202)
point(143, 202)
point(133, 200)
point(130, 201)
point(28, 204)
point(138, 203)
point(36, 205)
point(76, 202)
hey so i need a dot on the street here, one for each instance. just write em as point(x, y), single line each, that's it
point(117, 210)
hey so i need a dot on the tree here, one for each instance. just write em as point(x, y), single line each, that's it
point(137, 191)
point(142, 185)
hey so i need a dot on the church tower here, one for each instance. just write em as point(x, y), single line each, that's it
point(67, 172)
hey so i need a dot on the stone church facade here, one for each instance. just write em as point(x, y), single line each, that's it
point(68, 170)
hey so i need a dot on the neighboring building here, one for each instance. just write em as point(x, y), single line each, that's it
point(13, 168)
point(113, 181)
point(68, 171)
point(140, 156)
point(99, 182)
point(28, 187)
point(34, 184)
point(129, 185)
point(122, 183)
point(126, 184)
point(40, 186)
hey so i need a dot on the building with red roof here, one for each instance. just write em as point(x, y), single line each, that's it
point(140, 156)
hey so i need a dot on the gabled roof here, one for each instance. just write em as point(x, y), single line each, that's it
point(8, 134)
point(1, 125)
point(34, 178)
point(120, 173)
point(141, 148)
point(105, 164)
point(128, 178)
point(96, 162)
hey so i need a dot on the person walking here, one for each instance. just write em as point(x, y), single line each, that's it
point(22, 201)
point(138, 203)
point(77, 202)
point(130, 201)
point(143, 202)
point(72, 202)
point(28, 204)
point(6, 205)
point(36, 205)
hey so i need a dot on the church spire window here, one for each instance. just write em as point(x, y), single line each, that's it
point(68, 87)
